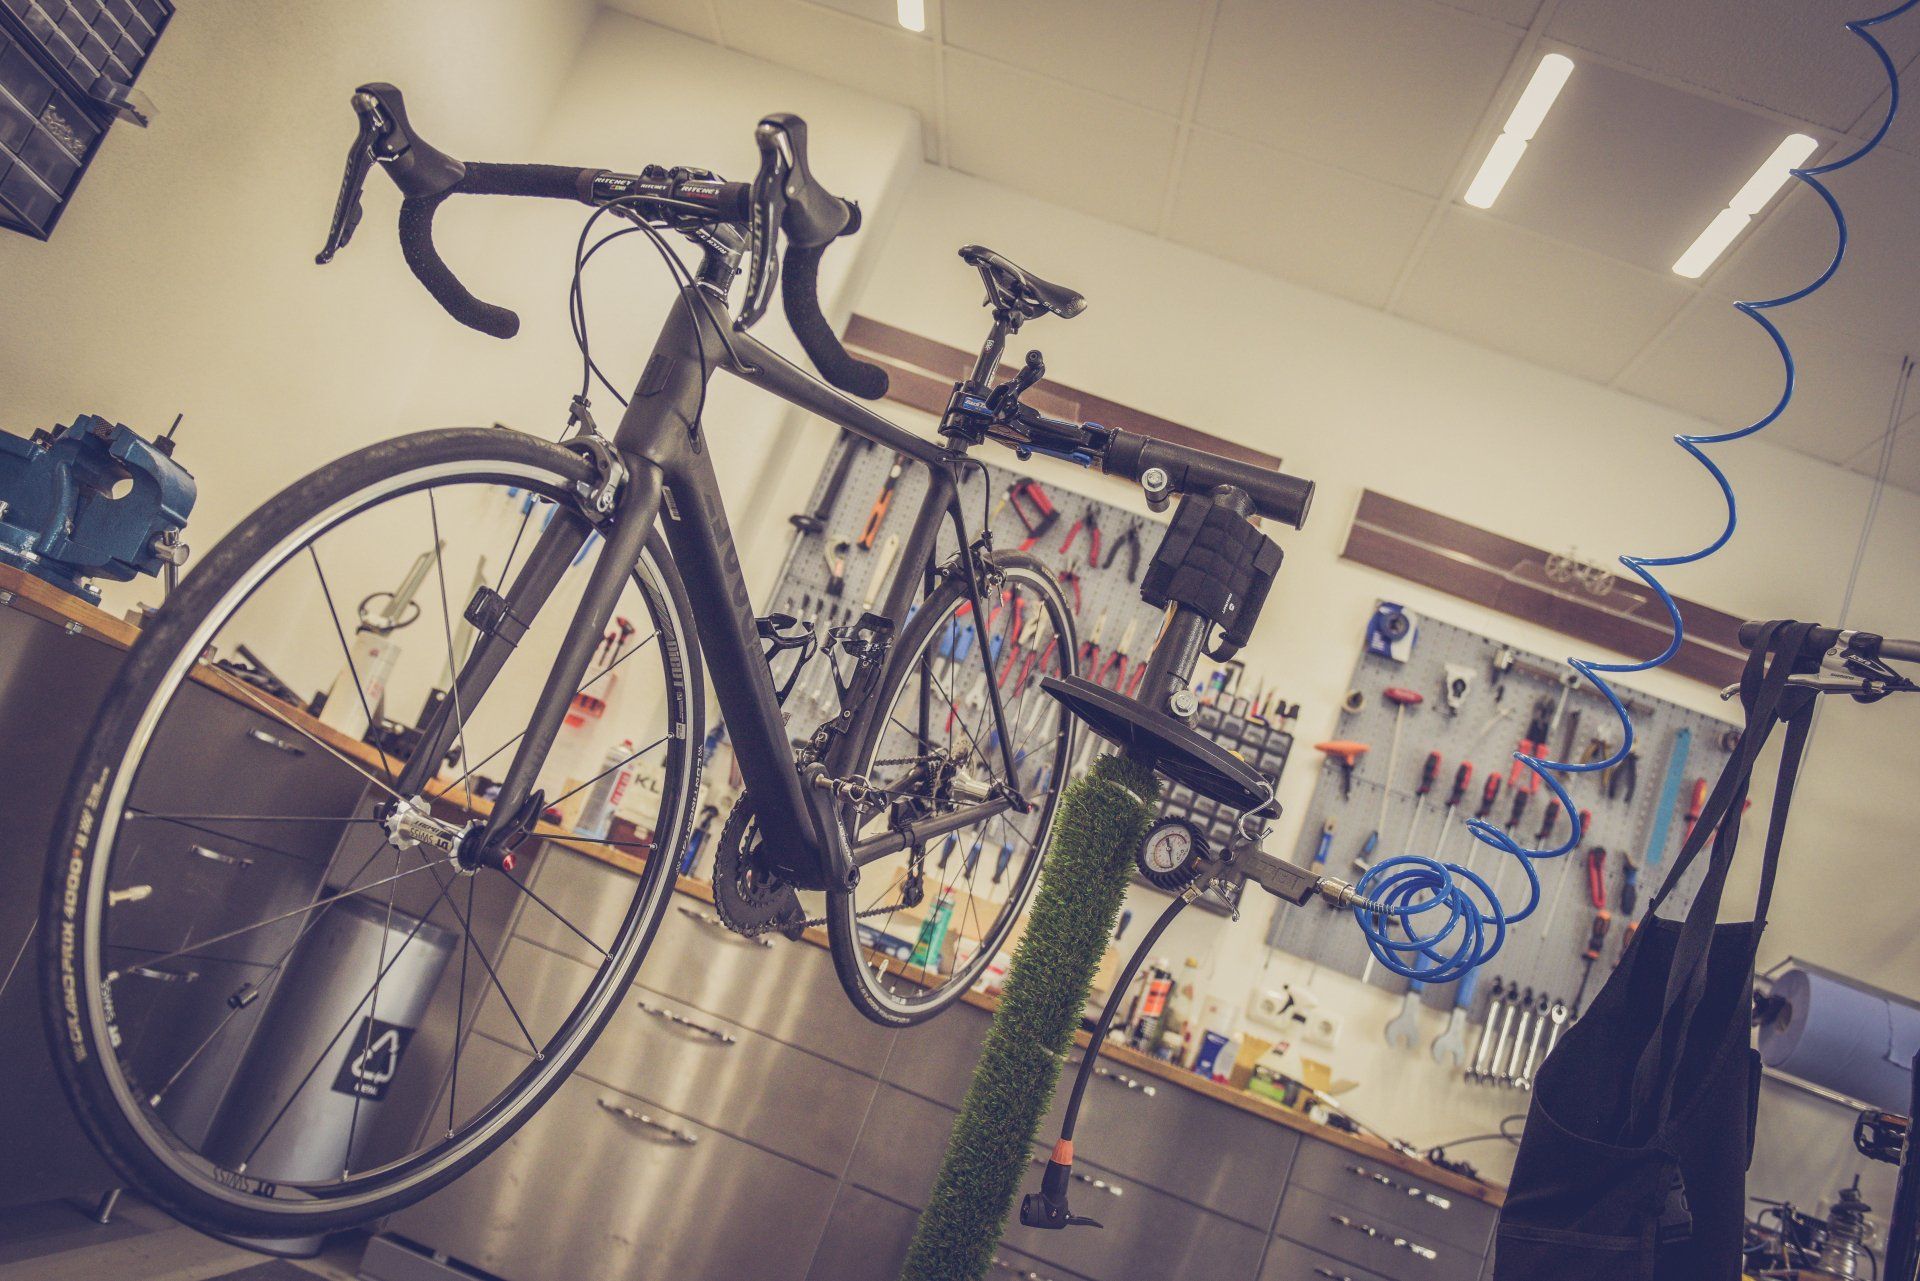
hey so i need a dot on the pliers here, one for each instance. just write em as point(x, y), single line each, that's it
point(1532, 743)
point(1625, 775)
point(1131, 541)
point(1089, 521)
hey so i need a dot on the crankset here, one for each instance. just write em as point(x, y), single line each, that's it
point(749, 899)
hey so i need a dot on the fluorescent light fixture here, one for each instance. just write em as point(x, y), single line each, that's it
point(1535, 100)
point(1793, 151)
point(913, 14)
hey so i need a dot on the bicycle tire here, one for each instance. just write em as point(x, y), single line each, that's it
point(81, 1033)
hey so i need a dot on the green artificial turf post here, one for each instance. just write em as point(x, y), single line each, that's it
point(1102, 820)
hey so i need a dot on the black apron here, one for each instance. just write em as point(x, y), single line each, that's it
point(1634, 1160)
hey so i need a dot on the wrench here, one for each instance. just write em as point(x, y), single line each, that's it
point(1522, 1020)
point(1507, 1009)
point(1404, 1029)
point(1486, 1032)
point(1525, 1079)
point(1452, 1043)
point(1559, 1016)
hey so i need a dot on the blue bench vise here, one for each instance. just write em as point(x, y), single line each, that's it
point(92, 500)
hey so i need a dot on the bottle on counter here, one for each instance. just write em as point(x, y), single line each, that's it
point(933, 933)
point(1145, 1032)
point(604, 797)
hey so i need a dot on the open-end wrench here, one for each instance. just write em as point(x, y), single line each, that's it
point(1507, 1009)
point(1452, 1043)
point(1524, 1078)
point(1403, 1029)
point(1522, 1021)
point(1558, 1016)
point(1481, 1050)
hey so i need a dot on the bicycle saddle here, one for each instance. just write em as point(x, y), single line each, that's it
point(1021, 292)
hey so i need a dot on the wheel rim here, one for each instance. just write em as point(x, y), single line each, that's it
point(985, 900)
point(256, 1190)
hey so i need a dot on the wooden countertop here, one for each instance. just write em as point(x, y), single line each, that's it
point(23, 591)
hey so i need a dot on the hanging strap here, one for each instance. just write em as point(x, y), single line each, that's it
point(1768, 700)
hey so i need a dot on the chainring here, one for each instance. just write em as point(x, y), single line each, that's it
point(749, 899)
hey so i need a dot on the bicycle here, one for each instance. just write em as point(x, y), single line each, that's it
point(627, 524)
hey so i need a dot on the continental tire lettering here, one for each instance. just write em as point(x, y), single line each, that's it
point(245, 1183)
point(70, 915)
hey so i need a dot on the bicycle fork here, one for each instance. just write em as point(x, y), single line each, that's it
point(501, 622)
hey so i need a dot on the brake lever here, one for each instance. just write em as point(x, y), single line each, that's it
point(763, 223)
point(361, 157)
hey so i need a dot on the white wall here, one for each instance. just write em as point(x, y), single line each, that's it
point(1353, 398)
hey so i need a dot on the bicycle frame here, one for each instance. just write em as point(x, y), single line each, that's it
point(665, 451)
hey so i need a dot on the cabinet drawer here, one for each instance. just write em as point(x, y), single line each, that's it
point(212, 755)
point(1289, 1262)
point(936, 1058)
point(867, 1238)
point(786, 990)
point(203, 886)
point(1372, 1187)
point(1148, 1233)
point(173, 1016)
point(696, 1064)
point(1178, 1141)
point(584, 1190)
point(1373, 1241)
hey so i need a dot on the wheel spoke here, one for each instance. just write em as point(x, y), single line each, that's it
point(373, 1016)
point(187, 820)
point(577, 931)
point(617, 765)
point(346, 650)
point(271, 707)
point(459, 1013)
point(274, 920)
point(446, 628)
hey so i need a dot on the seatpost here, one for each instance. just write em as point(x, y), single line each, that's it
point(1004, 323)
point(1167, 686)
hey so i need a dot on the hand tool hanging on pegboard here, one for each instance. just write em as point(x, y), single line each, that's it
point(1130, 543)
point(882, 503)
point(815, 521)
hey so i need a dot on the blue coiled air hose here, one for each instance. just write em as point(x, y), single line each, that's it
point(1443, 913)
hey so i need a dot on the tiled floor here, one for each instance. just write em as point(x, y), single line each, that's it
point(60, 1242)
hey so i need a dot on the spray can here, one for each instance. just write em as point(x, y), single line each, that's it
point(933, 933)
point(374, 654)
point(1153, 1007)
point(603, 798)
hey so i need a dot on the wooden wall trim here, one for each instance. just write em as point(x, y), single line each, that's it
point(1509, 576)
point(923, 373)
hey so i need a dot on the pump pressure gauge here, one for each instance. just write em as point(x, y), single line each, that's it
point(1172, 854)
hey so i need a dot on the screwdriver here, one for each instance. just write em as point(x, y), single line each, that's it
point(1597, 934)
point(1488, 795)
point(1586, 821)
point(1629, 899)
point(1428, 772)
point(1325, 846)
point(1461, 777)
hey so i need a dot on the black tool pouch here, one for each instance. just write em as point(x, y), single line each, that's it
point(1217, 561)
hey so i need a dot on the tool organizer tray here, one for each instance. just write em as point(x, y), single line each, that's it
point(1545, 950)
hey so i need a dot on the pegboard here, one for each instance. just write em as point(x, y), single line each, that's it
point(1544, 951)
point(1104, 593)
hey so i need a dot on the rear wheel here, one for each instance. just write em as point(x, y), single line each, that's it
point(258, 983)
point(924, 924)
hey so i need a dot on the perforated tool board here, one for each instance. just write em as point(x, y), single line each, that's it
point(1107, 609)
point(1485, 731)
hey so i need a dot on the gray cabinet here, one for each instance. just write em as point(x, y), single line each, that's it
point(818, 1137)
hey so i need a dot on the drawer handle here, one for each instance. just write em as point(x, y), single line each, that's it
point(215, 856)
point(1098, 1184)
point(1331, 1276)
point(1121, 1078)
point(681, 1020)
point(290, 748)
point(1398, 1243)
point(162, 976)
point(713, 922)
point(1025, 1274)
point(131, 894)
point(641, 1118)
point(1420, 1194)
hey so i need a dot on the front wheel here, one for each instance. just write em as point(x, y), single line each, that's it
point(924, 924)
point(259, 985)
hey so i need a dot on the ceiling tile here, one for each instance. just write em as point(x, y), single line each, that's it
point(1795, 58)
point(1139, 50)
point(1066, 145)
point(1876, 294)
point(1518, 12)
point(1389, 88)
point(886, 12)
point(1904, 469)
point(885, 61)
point(690, 16)
point(1553, 304)
point(1633, 168)
point(1716, 364)
point(1301, 221)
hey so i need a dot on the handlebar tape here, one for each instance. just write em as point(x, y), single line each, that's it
point(800, 295)
point(557, 182)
